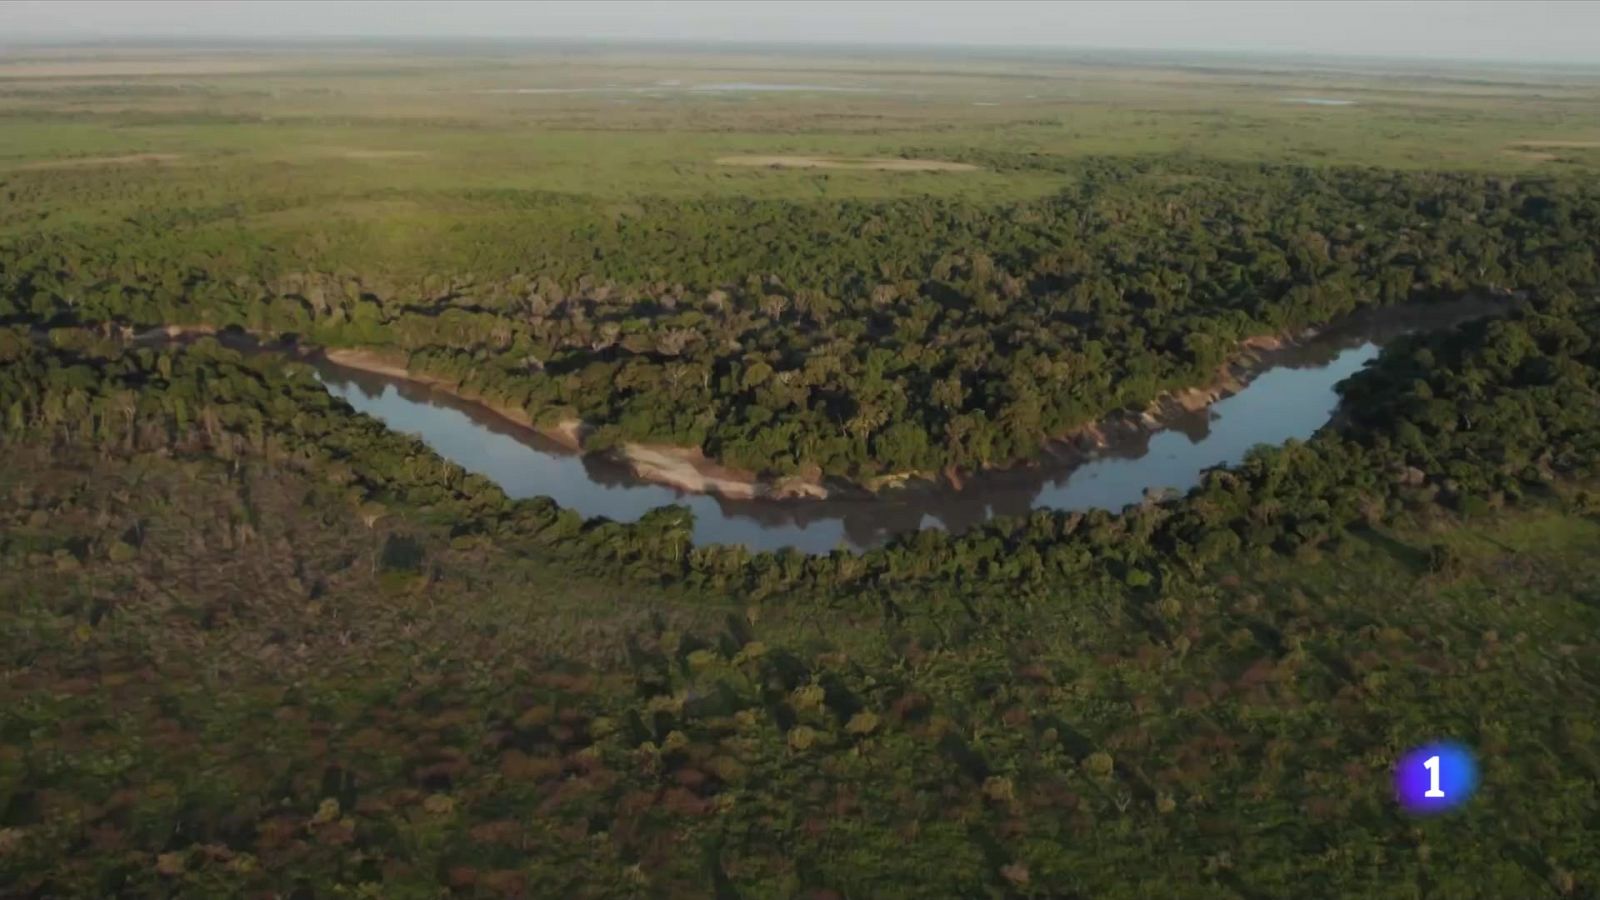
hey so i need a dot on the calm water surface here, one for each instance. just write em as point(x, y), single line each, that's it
point(1293, 397)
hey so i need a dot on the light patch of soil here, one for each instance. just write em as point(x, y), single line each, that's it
point(1556, 145)
point(90, 162)
point(688, 469)
point(841, 162)
point(1540, 151)
point(361, 153)
point(377, 363)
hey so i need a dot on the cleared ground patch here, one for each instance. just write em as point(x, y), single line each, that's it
point(885, 164)
point(359, 153)
point(1544, 151)
point(1556, 145)
point(87, 162)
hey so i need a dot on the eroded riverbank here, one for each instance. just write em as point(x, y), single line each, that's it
point(1283, 389)
point(683, 468)
point(1277, 388)
point(689, 469)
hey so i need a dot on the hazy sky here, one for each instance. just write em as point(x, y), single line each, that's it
point(1487, 29)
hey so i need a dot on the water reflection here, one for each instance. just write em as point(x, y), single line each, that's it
point(1292, 397)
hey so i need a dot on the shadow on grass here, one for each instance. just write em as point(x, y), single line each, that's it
point(1413, 559)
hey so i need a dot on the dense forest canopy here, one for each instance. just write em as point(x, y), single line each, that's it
point(848, 338)
point(1521, 412)
point(1150, 697)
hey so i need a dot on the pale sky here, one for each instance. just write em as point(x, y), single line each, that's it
point(1531, 30)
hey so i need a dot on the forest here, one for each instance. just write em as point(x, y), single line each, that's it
point(1471, 418)
point(856, 340)
point(261, 645)
point(1055, 701)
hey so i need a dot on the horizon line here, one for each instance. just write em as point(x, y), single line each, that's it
point(180, 41)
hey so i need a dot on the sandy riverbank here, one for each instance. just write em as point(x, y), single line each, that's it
point(689, 469)
point(1231, 378)
point(684, 468)
point(564, 433)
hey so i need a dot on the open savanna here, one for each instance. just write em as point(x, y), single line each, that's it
point(272, 128)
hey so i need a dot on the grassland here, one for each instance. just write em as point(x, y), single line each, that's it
point(384, 159)
point(638, 122)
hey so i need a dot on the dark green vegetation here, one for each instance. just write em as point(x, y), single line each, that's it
point(1471, 418)
point(858, 339)
point(782, 322)
point(259, 645)
point(372, 679)
point(223, 690)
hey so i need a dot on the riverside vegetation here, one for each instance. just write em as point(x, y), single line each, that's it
point(263, 644)
point(864, 341)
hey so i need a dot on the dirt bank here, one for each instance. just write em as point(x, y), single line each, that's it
point(1231, 378)
point(564, 433)
point(689, 469)
point(1254, 356)
point(684, 468)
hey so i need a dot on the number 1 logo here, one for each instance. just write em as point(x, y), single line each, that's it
point(1435, 778)
point(1432, 765)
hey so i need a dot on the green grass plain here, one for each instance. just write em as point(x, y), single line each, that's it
point(330, 129)
point(406, 160)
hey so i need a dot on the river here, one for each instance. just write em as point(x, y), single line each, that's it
point(1291, 396)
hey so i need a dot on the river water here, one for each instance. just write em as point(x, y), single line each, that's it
point(1292, 396)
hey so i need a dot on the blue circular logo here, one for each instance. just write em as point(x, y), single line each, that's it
point(1435, 778)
